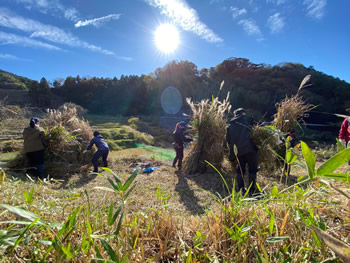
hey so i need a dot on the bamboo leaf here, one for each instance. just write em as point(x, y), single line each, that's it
point(114, 218)
point(343, 177)
point(274, 191)
point(272, 222)
point(109, 250)
point(116, 178)
point(24, 231)
point(22, 213)
point(119, 225)
point(333, 163)
point(309, 159)
point(276, 239)
point(129, 180)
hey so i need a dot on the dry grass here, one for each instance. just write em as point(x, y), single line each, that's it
point(291, 110)
point(171, 227)
point(208, 123)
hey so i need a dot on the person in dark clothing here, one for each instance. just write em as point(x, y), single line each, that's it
point(33, 146)
point(238, 133)
point(179, 140)
point(102, 150)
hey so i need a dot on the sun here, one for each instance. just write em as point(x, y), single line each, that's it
point(167, 38)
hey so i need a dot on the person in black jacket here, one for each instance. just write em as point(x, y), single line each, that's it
point(238, 133)
point(102, 150)
point(34, 145)
point(179, 140)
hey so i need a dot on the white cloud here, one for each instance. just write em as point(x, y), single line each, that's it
point(7, 38)
point(236, 12)
point(48, 32)
point(97, 21)
point(8, 56)
point(186, 17)
point(315, 8)
point(251, 28)
point(276, 23)
point(51, 6)
point(277, 2)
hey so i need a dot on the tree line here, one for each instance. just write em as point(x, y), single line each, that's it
point(257, 87)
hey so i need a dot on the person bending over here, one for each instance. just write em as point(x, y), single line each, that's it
point(238, 133)
point(102, 150)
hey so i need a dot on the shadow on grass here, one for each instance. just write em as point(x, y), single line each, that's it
point(84, 179)
point(187, 197)
point(212, 182)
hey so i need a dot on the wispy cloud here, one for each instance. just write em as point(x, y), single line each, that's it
point(48, 32)
point(8, 56)
point(186, 17)
point(277, 2)
point(275, 23)
point(51, 6)
point(13, 39)
point(315, 8)
point(252, 29)
point(236, 12)
point(97, 21)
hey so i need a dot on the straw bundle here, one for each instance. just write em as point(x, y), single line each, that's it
point(208, 122)
point(266, 141)
point(291, 110)
point(65, 136)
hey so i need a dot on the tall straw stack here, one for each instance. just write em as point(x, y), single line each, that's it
point(208, 123)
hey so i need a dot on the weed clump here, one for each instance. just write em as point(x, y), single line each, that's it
point(208, 123)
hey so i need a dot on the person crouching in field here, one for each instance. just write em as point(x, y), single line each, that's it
point(238, 133)
point(33, 146)
point(179, 139)
point(102, 150)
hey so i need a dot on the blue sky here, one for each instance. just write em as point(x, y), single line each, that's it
point(107, 38)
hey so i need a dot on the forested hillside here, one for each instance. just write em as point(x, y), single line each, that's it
point(11, 81)
point(257, 87)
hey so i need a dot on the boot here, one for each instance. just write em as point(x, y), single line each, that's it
point(174, 162)
point(179, 165)
point(40, 169)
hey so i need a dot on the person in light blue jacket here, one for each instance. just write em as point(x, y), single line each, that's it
point(102, 150)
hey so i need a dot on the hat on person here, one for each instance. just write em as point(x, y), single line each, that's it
point(96, 133)
point(182, 123)
point(33, 121)
point(238, 112)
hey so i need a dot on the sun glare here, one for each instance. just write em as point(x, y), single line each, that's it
point(167, 38)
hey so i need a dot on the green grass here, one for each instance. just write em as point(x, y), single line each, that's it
point(5, 157)
point(158, 153)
